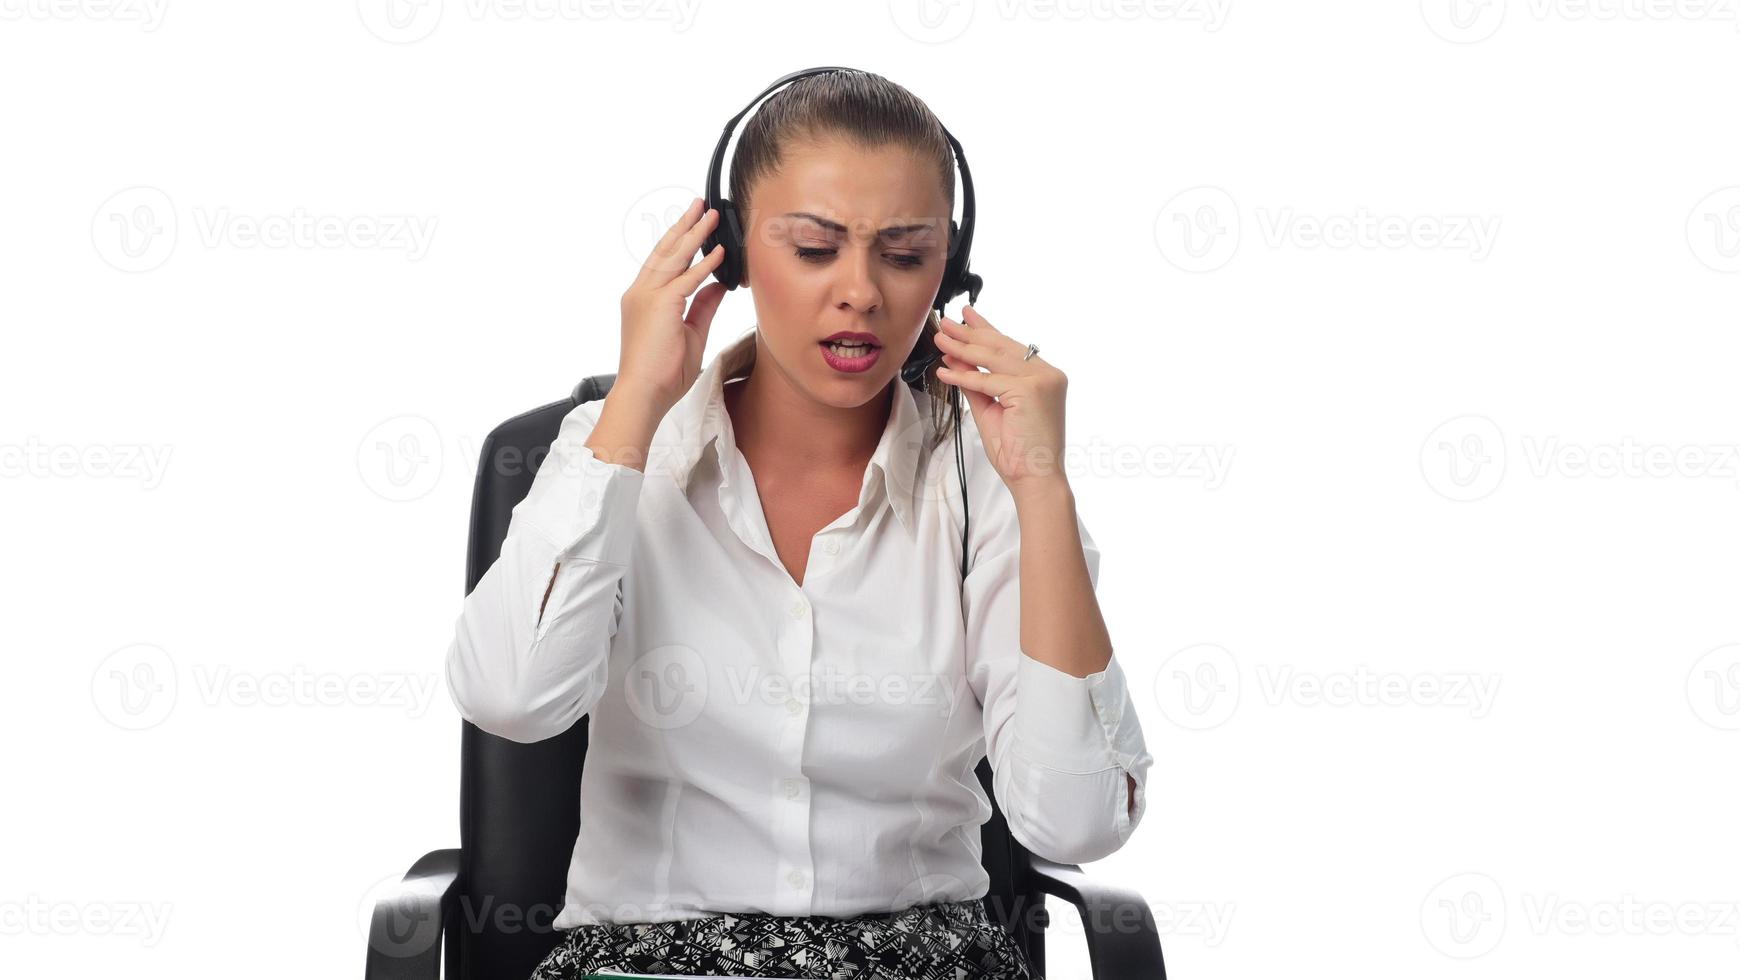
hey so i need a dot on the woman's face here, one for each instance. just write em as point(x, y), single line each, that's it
point(844, 238)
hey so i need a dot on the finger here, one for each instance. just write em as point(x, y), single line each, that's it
point(673, 255)
point(664, 268)
point(973, 321)
point(687, 282)
point(981, 403)
point(978, 354)
point(669, 238)
point(991, 384)
point(705, 304)
point(979, 330)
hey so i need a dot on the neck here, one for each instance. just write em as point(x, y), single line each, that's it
point(774, 421)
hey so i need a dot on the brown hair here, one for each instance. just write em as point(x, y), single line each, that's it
point(869, 111)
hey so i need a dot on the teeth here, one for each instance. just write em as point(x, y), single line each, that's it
point(857, 349)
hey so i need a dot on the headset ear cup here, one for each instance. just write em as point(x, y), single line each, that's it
point(726, 232)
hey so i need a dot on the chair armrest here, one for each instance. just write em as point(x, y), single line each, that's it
point(405, 931)
point(1122, 940)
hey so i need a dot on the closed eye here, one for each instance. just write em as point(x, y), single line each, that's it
point(819, 255)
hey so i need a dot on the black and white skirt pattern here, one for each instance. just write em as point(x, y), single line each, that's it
point(944, 941)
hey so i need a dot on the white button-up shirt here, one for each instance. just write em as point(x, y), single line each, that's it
point(757, 745)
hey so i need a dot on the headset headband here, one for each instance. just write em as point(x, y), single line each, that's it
point(729, 232)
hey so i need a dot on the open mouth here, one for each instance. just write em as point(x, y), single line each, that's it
point(849, 357)
point(844, 348)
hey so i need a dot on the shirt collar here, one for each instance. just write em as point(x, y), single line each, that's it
point(699, 420)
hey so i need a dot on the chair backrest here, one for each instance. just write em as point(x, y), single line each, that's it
point(520, 804)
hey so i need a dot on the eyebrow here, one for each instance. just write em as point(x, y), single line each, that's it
point(893, 231)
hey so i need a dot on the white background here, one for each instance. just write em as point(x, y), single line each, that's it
point(1450, 462)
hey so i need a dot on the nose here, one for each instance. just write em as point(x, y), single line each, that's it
point(856, 286)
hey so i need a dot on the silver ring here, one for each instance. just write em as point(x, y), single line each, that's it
point(1032, 349)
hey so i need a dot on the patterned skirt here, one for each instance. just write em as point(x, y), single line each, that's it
point(944, 941)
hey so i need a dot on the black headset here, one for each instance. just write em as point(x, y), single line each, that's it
point(956, 278)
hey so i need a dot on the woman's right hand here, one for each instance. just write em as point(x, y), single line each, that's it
point(661, 348)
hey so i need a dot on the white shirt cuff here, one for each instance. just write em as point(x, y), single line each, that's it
point(1067, 723)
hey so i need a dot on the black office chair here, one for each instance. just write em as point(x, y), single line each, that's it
point(490, 903)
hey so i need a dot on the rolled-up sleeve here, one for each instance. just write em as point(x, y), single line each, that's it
point(1060, 746)
point(530, 648)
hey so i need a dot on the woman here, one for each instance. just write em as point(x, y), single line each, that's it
point(748, 577)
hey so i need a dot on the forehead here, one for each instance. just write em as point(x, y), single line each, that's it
point(846, 183)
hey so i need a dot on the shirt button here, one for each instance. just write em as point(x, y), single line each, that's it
point(796, 878)
point(832, 547)
point(794, 706)
point(797, 609)
point(590, 500)
point(791, 789)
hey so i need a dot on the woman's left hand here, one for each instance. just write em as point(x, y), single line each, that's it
point(1018, 405)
